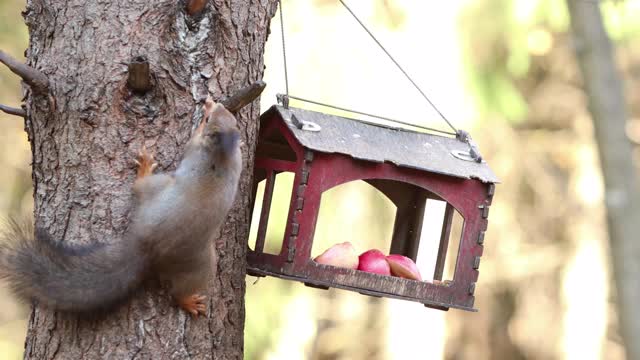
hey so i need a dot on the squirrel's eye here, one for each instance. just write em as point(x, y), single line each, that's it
point(215, 136)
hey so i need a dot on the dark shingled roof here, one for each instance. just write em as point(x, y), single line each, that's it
point(378, 143)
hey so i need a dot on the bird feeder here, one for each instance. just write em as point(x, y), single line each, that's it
point(324, 151)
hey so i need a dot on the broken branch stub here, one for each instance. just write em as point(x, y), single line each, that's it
point(13, 111)
point(139, 79)
point(32, 77)
point(243, 96)
point(195, 7)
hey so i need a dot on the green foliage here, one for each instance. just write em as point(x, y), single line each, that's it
point(13, 39)
point(265, 299)
point(620, 18)
point(500, 38)
point(13, 32)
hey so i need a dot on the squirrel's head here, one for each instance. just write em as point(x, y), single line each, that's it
point(216, 141)
point(218, 132)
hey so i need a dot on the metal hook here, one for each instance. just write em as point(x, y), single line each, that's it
point(283, 100)
point(304, 125)
point(474, 152)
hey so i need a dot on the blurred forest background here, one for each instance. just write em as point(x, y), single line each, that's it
point(502, 69)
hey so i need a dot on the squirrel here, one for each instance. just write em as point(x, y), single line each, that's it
point(176, 219)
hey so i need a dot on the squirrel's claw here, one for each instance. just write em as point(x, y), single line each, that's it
point(194, 304)
point(208, 109)
point(146, 163)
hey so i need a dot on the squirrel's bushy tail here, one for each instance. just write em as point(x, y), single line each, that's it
point(80, 279)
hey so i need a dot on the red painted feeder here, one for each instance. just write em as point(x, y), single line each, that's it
point(324, 151)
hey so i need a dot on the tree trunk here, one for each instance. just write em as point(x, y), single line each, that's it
point(86, 130)
point(622, 194)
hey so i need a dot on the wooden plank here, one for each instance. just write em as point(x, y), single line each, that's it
point(275, 164)
point(378, 286)
point(417, 219)
point(444, 242)
point(274, 150)
point(264, 212)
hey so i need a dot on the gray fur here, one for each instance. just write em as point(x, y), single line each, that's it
point(71, 279)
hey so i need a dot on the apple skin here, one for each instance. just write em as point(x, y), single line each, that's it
point(341, 255)
point(374, 261)
point(404, 267)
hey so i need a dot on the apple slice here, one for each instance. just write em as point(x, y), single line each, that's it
point(374, 261)
point(404, 267)
point(341, 255)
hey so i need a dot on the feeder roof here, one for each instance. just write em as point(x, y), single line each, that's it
point(380, 143)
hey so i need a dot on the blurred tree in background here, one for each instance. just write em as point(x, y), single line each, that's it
point(604, 89)
point(550, 295)
point(545, 288)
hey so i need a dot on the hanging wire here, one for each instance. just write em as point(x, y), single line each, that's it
point(284, 51)
point(399, 67)
point(371, 115)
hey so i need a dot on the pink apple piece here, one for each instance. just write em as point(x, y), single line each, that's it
point(404, 267)
point(374, 261)
point(341, 255)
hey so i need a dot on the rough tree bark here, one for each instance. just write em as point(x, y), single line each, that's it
point(86, 128)
point(622, 193)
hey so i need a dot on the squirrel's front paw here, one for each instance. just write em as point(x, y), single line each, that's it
point(193, 304)
point(146, 163)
